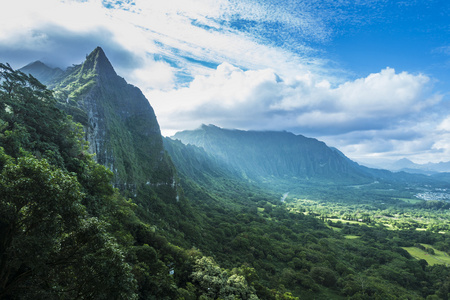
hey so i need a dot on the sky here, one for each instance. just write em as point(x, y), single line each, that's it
point(369, 77)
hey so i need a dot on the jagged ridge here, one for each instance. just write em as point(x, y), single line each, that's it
point(120, 124)
point(268, 154)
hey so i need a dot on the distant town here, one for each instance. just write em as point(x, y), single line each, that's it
point(438, 195)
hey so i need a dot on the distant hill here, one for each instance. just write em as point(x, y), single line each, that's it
point(261, 155)
point(42, 72)
point(265, 156)
point(408, 166)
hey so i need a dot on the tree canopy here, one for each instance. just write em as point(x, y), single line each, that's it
point(53, 243)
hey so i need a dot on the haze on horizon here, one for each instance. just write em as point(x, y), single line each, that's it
point(370, 78)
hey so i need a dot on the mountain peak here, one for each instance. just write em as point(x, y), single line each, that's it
point(98, 62)
point(403, 163)
point(97, 53)
point(41, 71)
point(37, 64)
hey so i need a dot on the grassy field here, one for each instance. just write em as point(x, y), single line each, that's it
point(344, 221)
point(351, 237)
point(438, 258)
point(409, 200)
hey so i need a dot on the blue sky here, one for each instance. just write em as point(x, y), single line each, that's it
point(368, 77)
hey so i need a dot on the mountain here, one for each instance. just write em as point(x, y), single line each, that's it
point(403, 163)
point(408, 166)
point(119, 122)
point(42, 72)
point(287, 160)
point(123, 135)
point(196, 163)
point(261, 155)
point(428, 168)
point(200, 171)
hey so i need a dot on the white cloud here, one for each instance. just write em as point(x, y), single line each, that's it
point(386, 93)
point(441, 143)
point(175, 30)
point(444, 125)
point(153, 74)
point(27, 17)
point(413, 138)
point(227, 95)
point(307, 101)
point(379, 95)
point(379, 115)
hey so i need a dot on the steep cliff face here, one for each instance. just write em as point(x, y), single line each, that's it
point(120, 124)
point(262, 155)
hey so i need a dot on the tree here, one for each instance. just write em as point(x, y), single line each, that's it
point(323, 276)
point(215, 283)
point(49, 246)
point(30, 119)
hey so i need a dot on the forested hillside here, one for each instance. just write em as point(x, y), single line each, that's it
point(260, 155)
point(304, 247)
point(67, 233)
point(71, 230)
point(285, 159)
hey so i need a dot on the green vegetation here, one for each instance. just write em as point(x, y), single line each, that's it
point(350, 245)
point(54, 204)
point(119, 124)
point(430, 254)
point(210, 233)
point(67, 233)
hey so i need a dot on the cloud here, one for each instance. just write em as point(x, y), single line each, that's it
point(442, 50)
point(154, 45)
point(444, 126)
point(442, 137)
point(304, 104)
point(48, 27)
point(379, 95)
point(416, 137)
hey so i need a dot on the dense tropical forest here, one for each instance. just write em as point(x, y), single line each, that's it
point(71, 228)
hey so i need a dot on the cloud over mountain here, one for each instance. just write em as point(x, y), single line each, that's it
point(305, 103)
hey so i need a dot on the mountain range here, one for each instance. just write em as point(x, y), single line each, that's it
point(271, 156)
point(122, 130)
point(261, 155)
point(211, 196)
point(407, 165)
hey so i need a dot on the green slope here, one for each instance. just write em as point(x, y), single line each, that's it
point(213, 231)
point(282, 155)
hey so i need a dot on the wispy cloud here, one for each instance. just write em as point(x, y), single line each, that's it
point(176, 32)
point(442, 50)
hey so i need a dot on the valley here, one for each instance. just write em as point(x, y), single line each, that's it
point(210, 213)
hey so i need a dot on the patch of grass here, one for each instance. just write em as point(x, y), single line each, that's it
point(345, 221)
point(351, 237)
point(334, 228)
point(409, 200)
point(439, 258)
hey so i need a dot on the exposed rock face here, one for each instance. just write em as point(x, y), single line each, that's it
point(120, 124)
point(269, 154)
